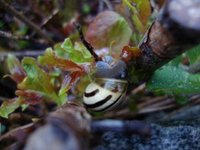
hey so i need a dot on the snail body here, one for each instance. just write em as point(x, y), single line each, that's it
point(108, 88)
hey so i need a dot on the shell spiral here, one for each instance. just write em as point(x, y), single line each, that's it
point(104, 94)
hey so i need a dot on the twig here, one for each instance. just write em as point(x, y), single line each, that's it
point(147, 108)
point(47, 19)
point(156, 109)
point(19, 133)
point(10, 36)
point(151, 102)
point(22, 54)
point(132, 127)
point(101, 4)
point(193, 101)
point(86, 44)
point(169, 36)
point(163, 102)
point(108, 4)
point(13, 37)
point(20, 16)
point(138, 89)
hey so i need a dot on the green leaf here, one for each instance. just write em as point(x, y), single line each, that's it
point(67, 44)
point(60, 51)
point(37, 80)
point(119, 34)
point(194, 54)
point(9, 106)
point(176, 62)
point(141, 11)
point(86, 8)
point(77, 53)
point(181, 99)
point(173, 80)
point(144, 9)
point(52, 60)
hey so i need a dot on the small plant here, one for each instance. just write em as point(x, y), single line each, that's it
point(51, 76)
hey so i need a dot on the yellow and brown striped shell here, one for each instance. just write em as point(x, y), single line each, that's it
point(104, 94)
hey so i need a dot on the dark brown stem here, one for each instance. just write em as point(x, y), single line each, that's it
point(86, 44)
point(21, 17)
point(176, 30)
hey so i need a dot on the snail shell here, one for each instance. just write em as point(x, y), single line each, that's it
point(104, 94)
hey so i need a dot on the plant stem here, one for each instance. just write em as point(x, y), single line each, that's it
point(86, 44)
point(169, 36)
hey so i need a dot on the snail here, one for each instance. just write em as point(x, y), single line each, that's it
point(108, 89)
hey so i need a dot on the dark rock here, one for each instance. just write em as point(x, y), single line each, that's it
point(181, 135)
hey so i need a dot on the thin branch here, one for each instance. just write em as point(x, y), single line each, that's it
point(49, 18)
point(86, 44)
point(151, 102)
point(156, 109)
point(121, 126)
point(24, 19)
point(22, 54)
point(171, 34)
point(19, 133)
point(146, 107)
point(108, 4)
point(11, 36)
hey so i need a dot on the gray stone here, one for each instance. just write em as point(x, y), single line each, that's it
point(179, 135)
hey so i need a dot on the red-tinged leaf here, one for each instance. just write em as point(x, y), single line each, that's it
point(52, 60)
point(30, 96)
point(15, 68)
point(129, 53)
point(68, 81)
point(9, 106)
point(37, 79)
point(109, 28)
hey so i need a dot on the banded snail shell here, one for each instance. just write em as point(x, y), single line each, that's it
point(104, 94)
